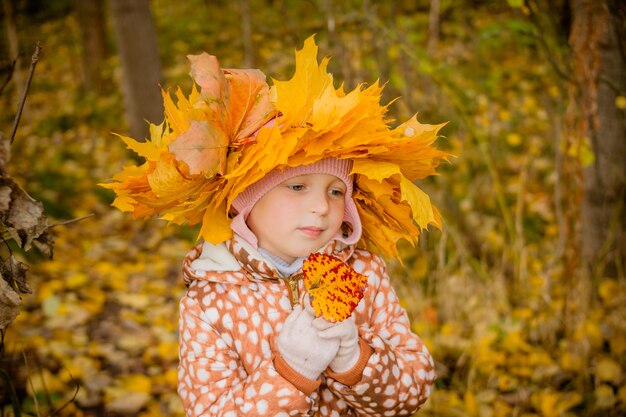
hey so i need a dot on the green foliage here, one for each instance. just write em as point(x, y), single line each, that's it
point(515, 328)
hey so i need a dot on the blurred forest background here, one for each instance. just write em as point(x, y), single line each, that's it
point(521, 298)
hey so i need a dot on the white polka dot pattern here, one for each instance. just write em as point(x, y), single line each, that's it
point(228, 324)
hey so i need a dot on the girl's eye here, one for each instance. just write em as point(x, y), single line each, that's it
point(336, 192)
point(295, 187)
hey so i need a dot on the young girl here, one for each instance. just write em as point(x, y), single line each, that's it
point(275, 175)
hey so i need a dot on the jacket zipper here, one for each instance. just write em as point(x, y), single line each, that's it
point(292, 285)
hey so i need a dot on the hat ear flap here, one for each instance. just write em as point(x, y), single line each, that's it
point(240, 227)
point(350, 234)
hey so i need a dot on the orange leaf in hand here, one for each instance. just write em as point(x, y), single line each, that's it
point(334, 287)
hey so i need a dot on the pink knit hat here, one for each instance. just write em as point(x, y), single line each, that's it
point(340, 168)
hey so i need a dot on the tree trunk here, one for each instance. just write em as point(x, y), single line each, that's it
point(139, 55)
point(433, 27)
point(597, 42)
point(246, 33)
point(90, 14)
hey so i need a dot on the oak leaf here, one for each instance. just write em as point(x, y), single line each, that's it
point(334, 287)
point(15, 273)
point(9, 304)
point(21, 215)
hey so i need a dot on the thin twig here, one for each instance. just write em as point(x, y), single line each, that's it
point(550, 53)
point(32, 386)
point(71, 400)
point(7, 245)
point(71, 220)
point(20, 108)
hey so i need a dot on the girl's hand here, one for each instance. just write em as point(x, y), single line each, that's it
point(302, 348)
point(345, 332)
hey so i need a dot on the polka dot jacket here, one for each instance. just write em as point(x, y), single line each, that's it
point(232, 313)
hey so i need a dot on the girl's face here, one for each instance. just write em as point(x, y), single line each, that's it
point(299, 216)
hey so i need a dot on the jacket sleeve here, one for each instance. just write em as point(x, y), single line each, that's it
point(212, 380)
point(400, 372)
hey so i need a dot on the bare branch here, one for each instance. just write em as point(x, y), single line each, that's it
point(71, 220)
point(20, 108)
point(71, 400)
point(32, 386)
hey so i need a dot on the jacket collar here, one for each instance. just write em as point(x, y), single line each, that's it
point(237, 262)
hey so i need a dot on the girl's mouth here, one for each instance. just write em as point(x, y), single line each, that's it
point(311, 231)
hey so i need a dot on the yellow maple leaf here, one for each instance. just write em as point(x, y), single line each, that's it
point(169, 184)
point(334, 287)
point(215, 225)
point(295, 97)
point(145, 149)
point(174, 116)
point(124, 203)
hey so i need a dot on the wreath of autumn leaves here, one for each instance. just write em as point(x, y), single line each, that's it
point(217, 141)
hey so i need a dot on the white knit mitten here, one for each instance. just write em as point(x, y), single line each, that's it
point(302, 348)
point(348, 336)
point(345, 332)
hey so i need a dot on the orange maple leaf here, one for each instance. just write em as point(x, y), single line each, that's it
point(249, 101)
point(203, 147)
point(334, 287)
point(232, 105)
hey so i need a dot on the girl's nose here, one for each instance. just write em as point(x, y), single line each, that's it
point(319, 202)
